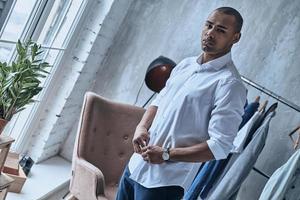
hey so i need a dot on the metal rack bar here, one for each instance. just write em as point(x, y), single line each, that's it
point(260, 172)
point(272, 94)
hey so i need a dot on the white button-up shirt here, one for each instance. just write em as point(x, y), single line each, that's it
point(200, 103)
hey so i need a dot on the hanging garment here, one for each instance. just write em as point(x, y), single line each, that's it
point(245, 137)
point(211, 170)
point(207, 175)
point(218, 167)
point(258, 122)
point(248, 135)
point(285, 181)
point(242, 135)
point(249, 112)
point(242, 165)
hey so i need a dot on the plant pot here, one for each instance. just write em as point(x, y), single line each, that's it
point(3, 123)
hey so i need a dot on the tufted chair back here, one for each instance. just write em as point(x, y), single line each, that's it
point(103, 147)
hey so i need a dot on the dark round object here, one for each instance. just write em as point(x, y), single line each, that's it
point(158, 73)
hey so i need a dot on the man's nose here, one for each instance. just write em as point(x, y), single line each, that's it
point(210, 32)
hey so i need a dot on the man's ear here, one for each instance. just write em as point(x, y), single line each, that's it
point(237, 37)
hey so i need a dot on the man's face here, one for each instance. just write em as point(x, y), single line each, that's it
point(219, 33)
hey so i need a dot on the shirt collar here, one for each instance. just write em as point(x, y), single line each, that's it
point(217, 63)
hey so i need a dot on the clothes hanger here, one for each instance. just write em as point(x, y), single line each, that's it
point(263, 106)
point(296, 144)
point(257, 99)
point(271, 109)
point(297, 141)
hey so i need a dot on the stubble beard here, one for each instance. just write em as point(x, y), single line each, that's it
point(207, 49)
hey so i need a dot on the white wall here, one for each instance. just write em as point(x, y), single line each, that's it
point(76, 75)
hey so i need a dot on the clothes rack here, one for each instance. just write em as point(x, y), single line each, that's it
point(275, 96)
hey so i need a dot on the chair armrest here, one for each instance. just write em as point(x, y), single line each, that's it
point(87, 181)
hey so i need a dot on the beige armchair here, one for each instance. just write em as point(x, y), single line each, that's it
point(102, 148)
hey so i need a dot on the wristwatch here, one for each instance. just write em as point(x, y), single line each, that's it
point(166, 154)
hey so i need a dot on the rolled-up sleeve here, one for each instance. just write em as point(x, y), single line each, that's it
point(226, 117)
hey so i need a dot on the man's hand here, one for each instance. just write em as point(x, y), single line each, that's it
point(153, 154)
point(140, 139)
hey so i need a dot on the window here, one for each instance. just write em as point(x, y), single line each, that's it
point(51, 24)
point(13, 28)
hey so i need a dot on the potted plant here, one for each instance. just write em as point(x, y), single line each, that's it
point(20, 81)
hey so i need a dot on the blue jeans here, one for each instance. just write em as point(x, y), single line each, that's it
point(131, 190)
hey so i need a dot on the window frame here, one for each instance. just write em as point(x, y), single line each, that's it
point(32, 30)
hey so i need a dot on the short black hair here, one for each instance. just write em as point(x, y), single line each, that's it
point(231, 11)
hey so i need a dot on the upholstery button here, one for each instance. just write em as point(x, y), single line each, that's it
point(125, 137)
point(105, 152)
point(293, 187)
point(92, 149)
point(121, 154)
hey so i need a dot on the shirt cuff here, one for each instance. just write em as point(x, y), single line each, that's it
point(217, 150)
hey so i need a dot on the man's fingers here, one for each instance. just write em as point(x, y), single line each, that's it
point(142, 143)
point(137, 144)
point(136, 147)
point(144, 149)
point(145, 154)
point(146, 139)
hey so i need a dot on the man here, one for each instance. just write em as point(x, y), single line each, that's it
point(192, 120)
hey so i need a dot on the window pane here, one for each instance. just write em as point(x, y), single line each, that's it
point(6, 51)
point(18, 19)
point(59, 23)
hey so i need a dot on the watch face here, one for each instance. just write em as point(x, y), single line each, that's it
point(165, 156)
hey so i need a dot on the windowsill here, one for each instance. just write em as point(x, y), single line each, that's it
point(44, 179)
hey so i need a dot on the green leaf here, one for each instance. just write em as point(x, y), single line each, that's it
point(12, 92)
point(20, 81)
